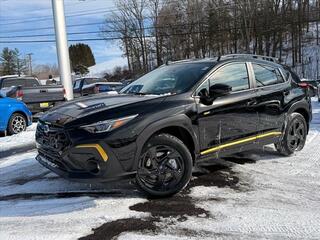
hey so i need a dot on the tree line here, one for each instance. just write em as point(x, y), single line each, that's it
point(155, 31)
point(12, 62)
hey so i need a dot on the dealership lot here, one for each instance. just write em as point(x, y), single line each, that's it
point(257, 195)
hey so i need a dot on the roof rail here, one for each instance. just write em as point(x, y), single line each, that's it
point(261, 57)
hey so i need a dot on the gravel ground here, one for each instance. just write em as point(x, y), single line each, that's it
point(259, 195)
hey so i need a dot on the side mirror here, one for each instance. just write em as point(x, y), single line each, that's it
point(218, 90)
point(215, 91)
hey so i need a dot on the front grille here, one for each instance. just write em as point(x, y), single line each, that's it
point(51, 137)
point(53, 158)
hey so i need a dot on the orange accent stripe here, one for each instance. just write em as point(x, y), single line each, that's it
point(101, 151)
point(244, 140)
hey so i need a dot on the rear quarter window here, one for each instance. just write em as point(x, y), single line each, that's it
point(266, 75)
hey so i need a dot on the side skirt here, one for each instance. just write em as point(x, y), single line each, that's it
point(240, 145)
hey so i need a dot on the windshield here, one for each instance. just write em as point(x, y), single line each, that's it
point(171, 79)
point(88, 81)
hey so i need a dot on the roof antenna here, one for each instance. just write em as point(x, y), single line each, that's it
point(219, 58)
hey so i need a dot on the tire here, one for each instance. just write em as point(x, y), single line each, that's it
point(165, 166)
point(295, 135)
point(17, 124)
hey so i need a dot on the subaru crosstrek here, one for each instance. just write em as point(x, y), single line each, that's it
point(161, 124)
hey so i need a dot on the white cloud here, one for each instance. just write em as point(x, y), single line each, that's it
point(107, 66)
point(107, 50)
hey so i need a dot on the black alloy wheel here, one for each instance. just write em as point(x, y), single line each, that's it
point(165, 166)
point(295, 135)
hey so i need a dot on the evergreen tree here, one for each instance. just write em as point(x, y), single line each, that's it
point(81, 55)
point(81, 70)
point(11, 63)
point(8, 61)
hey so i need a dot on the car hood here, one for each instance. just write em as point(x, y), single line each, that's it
point(91, 105)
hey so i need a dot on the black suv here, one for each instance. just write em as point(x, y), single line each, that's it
point(161, 124)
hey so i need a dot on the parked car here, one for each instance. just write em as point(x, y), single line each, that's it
point(159, 126)
point(127, 81)
point(15, 116)
point(37, 97)
point(89, 86)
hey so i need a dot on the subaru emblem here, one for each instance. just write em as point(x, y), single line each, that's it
point(46, 129)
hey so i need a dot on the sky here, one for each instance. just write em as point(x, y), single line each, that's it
point(24, 17)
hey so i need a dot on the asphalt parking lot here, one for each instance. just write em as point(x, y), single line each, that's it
point(258, 195)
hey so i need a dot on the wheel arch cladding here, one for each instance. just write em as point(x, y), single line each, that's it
point(178, 126)
point(305, 114)
point(303, 109)
point(182, 134)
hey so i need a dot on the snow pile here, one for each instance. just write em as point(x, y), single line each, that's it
point(23, 139)
point(45, 217)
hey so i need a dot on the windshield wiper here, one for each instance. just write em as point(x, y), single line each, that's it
point(138, 93)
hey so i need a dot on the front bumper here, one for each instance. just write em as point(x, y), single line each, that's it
point(78, 155)
point(83, 163)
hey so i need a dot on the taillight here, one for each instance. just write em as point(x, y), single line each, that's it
point(304, 85)
point(96, 89)
point(19, 94)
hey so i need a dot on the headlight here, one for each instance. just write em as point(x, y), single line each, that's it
point(108, 125)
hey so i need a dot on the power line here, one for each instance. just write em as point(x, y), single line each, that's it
point(148, 36)
point(171, 27)
point(72, 14)
point(50, 8)
point(102, 31)
point(97, 11)
point(115, 21)
point(49, 28)
point(79, 14)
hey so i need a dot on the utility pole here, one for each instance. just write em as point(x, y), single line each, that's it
point(30, 63)
point(18, 67)
point(62, 47)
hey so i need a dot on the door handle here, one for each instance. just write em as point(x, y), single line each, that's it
point(286, 92)
point(251, 102)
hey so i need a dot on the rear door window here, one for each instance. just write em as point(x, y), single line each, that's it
point(89, 81)
point(266, 75)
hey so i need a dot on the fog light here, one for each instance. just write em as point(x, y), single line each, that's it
point(93, 167)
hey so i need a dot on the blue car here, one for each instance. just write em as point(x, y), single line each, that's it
point(14, 115)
